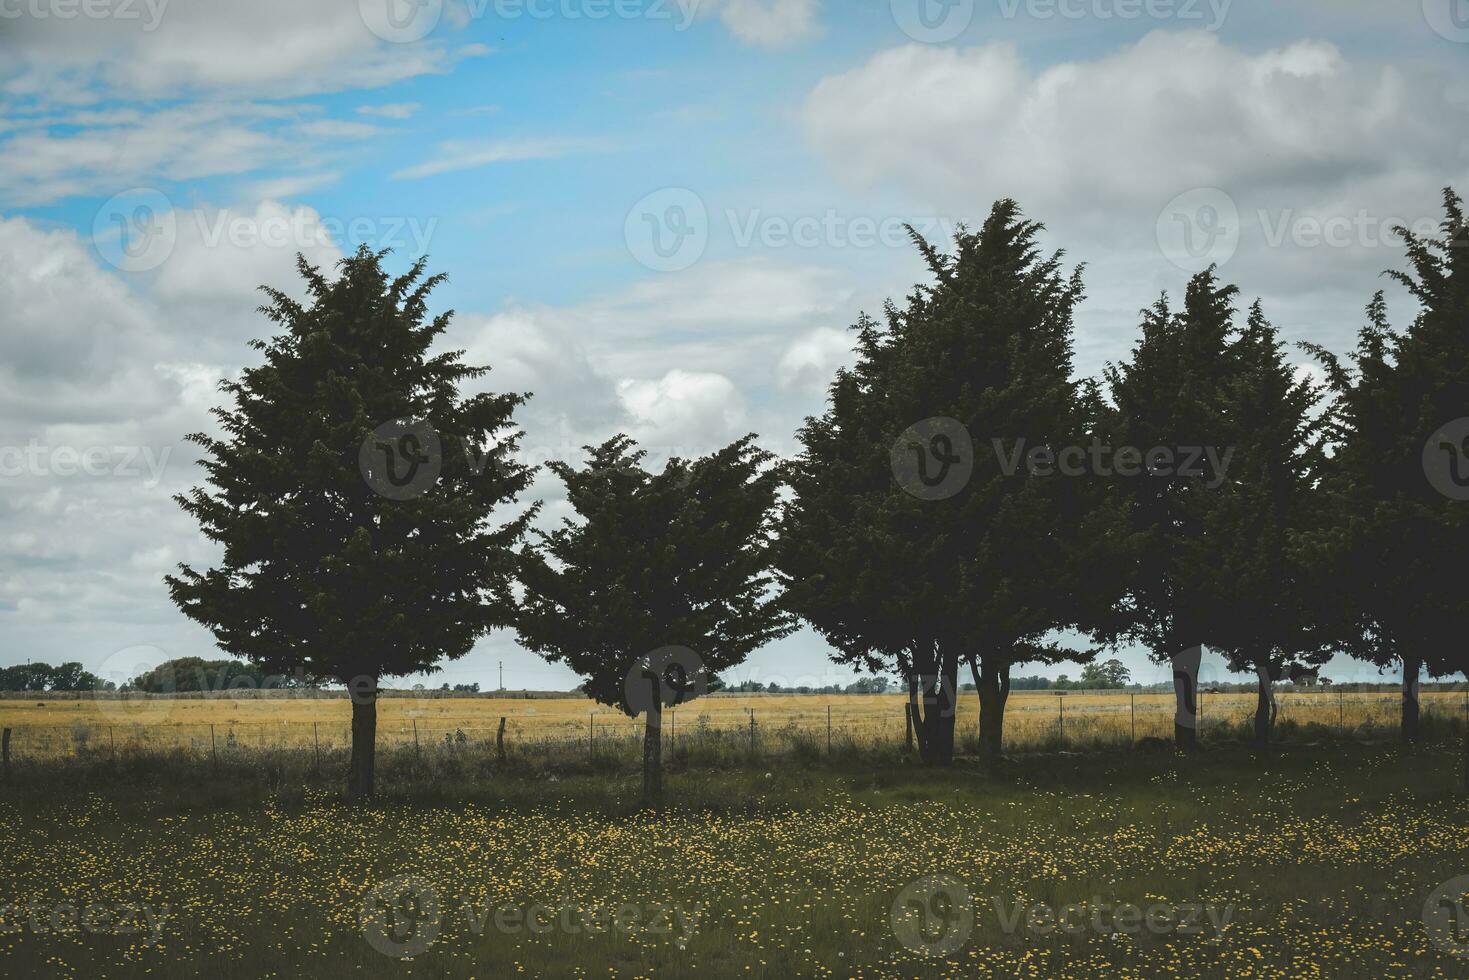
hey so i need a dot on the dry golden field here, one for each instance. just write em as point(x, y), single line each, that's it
point(45, 726)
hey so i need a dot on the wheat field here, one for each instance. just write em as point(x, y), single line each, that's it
point(46, 726)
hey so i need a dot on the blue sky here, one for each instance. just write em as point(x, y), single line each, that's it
point(534, 151)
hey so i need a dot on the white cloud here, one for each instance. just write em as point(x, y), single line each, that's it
point(468, 154)
point(390, 110)
point(812, 359)
point(684, 413)
point(267, 48)
point(770, 23)
point(1171, 112)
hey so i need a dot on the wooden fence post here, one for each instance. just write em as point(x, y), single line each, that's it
point(416, 753)
point(112, 741)
point(591, 736)
point(1061, 706)
point(500, 741)
point(1132, 698)
point(213, 748)
point(316, 744)
point(752, 731)
point(5, 753)
point(828, 729)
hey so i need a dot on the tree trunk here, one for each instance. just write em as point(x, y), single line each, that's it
point(915, 717)
point(993, 684)
point(1264, 704)
point(361, 771)
point(1411, 668)
point(936, 726)
point(653, 757)
point(1186, 693)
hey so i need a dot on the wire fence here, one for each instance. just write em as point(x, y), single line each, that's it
point(43, 730)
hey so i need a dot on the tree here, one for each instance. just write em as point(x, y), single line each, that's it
point(1255, 573)
point(351, 495)
point(1397, 484)
point(916, 540)
point(1109, 675)
point(664, 582)
point(70, 676)
point(1169, 397)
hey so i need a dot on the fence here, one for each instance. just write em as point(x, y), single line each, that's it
point(39, 730)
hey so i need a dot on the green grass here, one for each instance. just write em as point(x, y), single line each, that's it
point(1322, 854)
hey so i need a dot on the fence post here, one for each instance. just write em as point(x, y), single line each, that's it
point(316, 743)
point(5, 752)
point(752, 731)
point(213, 748)
point(591, 737)
point(828, 729)
point(416, 754)
point(1061, 706)
point(500, 741)
point(1341, 720)
point(1133, 699)
point(112, 741)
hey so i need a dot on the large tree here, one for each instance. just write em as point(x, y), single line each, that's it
point(1170, 397)
point(929, 527)
point(1251, 567)
point(664, 581)
point(353, 493)
point(1398, 483)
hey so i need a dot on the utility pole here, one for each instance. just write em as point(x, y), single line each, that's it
point(502, 675)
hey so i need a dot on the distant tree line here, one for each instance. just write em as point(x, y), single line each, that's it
point(36, 676)
point(964, 501)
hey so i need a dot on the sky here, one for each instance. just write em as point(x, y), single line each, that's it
point(658, 216)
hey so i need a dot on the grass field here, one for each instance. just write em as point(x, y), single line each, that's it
point(1313, 860)
point(49, 727)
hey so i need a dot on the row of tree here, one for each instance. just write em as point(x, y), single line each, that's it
point(927, 524)
point(37, 676)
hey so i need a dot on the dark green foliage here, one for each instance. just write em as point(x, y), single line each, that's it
point(919, 586)
point(197, 674)
point(680, 558)
point(318, 572)
point(1262, 586)
point(1396, 543)
point(70, 676)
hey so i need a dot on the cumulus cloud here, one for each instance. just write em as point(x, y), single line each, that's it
point(770, 23)
point(1173, 111)
point(812, 359)
point(269, 48)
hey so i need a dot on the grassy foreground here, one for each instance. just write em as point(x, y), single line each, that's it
point(1316, 860)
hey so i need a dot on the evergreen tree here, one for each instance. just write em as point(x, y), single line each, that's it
point(664, 582)
point(1171, 396)
point(1398, 479)
point(920, 537)
point(1254, 572)
point(351, 495)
